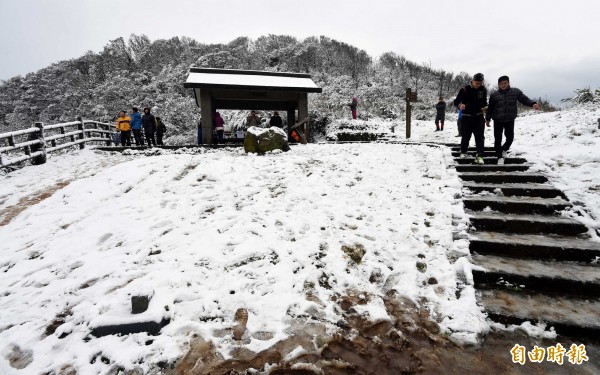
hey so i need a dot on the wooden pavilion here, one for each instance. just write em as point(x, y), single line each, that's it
point(217, 89)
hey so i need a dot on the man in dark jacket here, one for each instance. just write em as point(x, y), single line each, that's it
point(276, 120)
point(253, 120)
point(149, 124)
point(440, 116)
point(503, 110)
point(160, 131)
point(472, 99)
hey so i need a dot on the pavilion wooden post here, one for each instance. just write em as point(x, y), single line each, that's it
point(303, 113)
point(206, 111)
point(291, 119)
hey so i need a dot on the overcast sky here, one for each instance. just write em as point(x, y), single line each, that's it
point(548, 48)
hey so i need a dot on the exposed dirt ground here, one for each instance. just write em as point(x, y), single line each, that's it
point(9, 213)
point(410, 345)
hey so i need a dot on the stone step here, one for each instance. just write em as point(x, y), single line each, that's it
point(525, 189)
point(534, 246)
point(550, 277)
point(492, 167)
point(499, 222)
point(490, 160)
point(470, 149)
point(526, 205)
point(502, 177)
point(472, 153)
point(569, 316)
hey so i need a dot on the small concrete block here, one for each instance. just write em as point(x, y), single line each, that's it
point(139, 304)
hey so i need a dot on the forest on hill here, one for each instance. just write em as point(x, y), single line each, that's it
point(140, 72)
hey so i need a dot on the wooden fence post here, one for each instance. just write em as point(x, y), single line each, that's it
point(108, 135)
point(41, 146)
point(81, 127)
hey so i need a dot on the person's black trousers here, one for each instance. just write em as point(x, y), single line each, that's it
point(159, 137)
point(137, 135)
point(472, 125)
point(509, 131)
point(150, 139)
point(125, 138)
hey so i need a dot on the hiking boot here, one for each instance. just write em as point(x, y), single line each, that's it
point(462, 156)
point(459, 135)
point(500, 161)
point(478, 160)
point(437, 130)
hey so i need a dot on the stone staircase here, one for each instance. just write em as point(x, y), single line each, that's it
point(532, 263)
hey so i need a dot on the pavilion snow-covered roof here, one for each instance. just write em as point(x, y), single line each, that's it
point(249, 80)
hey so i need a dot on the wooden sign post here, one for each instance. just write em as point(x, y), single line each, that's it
point(410, 97)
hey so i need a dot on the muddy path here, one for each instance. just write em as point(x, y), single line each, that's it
point(9, 213)
point(411, 344)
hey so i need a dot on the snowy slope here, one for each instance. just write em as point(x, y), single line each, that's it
point(205, 233)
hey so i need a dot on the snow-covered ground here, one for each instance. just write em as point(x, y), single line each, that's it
point(207, 232)
point(564, 145)
point(210, 232)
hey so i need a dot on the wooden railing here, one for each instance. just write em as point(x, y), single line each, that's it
point(37, 141)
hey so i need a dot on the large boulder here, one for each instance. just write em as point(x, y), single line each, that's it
point(260, 140)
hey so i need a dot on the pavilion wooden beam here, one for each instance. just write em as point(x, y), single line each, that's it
point(254, 95)
point(264, 105)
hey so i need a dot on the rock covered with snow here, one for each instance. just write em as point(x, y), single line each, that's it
point(260, 140)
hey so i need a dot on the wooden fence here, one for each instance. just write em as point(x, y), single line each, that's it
point(36, 142)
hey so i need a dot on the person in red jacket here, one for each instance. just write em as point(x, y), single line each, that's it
point(219, 126)
point(353, 107)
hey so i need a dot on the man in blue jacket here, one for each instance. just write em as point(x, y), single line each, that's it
point(136, 126)
point(503, 110)
point(472, 99)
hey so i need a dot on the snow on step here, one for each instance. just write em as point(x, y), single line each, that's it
point(567, 315)
point(548, 276)
point(534, 246)
point(528, 189)
point(503, 177)
point(490, 160)
point(501, 222)
point(492, 167)
point(517, 204)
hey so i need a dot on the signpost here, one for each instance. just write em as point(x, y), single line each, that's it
point(410, 97)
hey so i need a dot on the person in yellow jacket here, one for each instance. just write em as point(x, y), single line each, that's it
point(124, 126)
